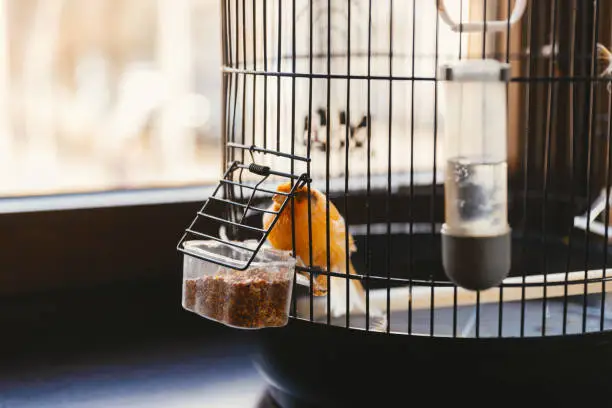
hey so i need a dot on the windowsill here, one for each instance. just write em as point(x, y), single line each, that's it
point(190, 194)
point(187, 371)
point(105, 199)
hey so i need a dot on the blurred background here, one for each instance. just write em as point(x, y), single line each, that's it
point(108, 94)
point(104, 95)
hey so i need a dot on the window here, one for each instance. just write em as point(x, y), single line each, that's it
point(108, 94)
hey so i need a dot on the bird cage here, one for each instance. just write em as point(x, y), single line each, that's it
point(497, 266)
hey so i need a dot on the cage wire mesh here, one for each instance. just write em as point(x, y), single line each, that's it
point(345, 94)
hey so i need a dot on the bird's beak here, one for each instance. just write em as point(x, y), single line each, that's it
point(301, 195)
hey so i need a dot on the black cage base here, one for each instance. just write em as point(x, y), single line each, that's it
point(319, 366)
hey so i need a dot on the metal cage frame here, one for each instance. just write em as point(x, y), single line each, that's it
point(554, 148)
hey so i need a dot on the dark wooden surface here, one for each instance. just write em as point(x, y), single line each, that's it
point(90, 309)
point(180, 373)
point(122, 345)
point(51, 250)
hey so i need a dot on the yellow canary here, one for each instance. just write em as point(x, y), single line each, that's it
point(280, 237)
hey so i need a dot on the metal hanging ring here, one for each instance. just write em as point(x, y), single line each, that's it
point(481, 26)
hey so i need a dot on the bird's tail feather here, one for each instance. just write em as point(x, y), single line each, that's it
point(357, 301)
point(339, 293)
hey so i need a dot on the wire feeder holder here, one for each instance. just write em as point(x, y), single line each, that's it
point(235, 209)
